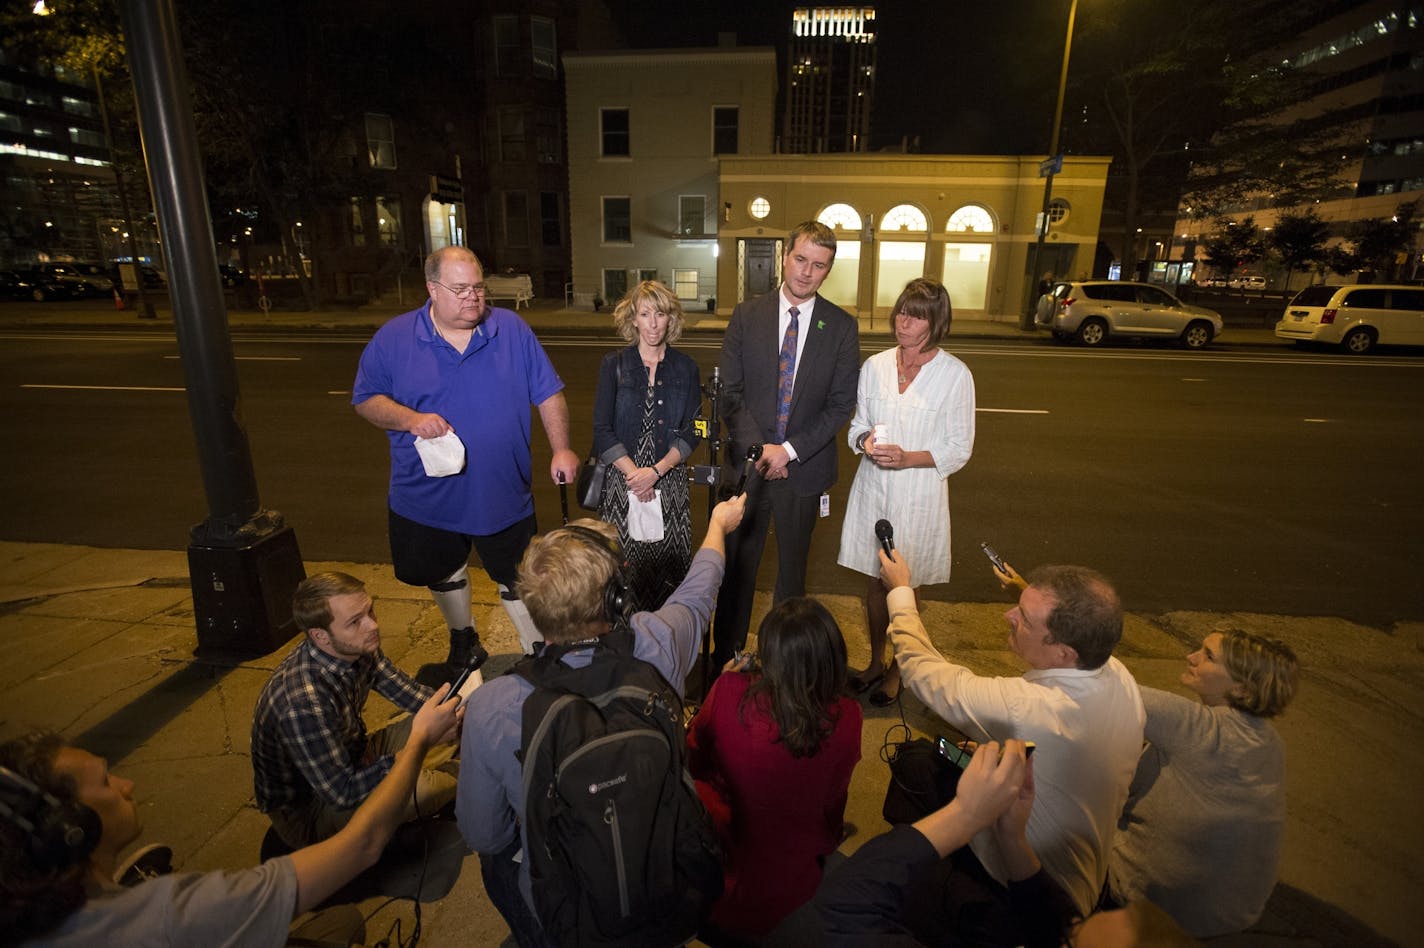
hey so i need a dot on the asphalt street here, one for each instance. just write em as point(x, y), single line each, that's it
point(1259, 479)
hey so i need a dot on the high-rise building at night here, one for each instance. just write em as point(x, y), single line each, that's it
point(830, 80)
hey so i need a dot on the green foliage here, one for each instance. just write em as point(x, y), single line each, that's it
point(1236, 244)
point(1379, 242)
point(1299, 239)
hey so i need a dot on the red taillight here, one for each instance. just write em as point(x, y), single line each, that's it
point(1327, 317)
point(1067, 301)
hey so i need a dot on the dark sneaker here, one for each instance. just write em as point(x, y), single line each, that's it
point(148, 862)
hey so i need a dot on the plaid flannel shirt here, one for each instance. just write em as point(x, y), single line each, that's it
point(308, 736)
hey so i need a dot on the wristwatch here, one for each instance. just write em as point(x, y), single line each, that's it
point(860, 442)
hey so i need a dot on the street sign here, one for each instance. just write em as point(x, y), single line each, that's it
point(1050, 166)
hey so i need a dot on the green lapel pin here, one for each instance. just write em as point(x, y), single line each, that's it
point(820, 324)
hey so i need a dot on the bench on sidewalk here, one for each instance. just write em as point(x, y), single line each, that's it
point(518, 287)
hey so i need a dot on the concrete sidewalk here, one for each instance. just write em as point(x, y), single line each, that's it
point(543, 315)
point(100, 646)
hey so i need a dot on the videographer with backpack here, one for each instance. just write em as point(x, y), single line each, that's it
point(618, 850)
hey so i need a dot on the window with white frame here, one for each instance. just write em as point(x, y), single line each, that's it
point(615, 284)
point(543, 40)
point(617, 220)
point(904, 217)
point(381, 141)
point(614, 133)
point(970, 219)
point(840, 217)
point(692, 215)
point(684, 284)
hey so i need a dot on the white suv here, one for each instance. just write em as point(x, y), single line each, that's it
point(1356, 318)
point(1093, 310)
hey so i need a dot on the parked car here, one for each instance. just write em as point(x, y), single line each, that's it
point(1216, 282)
point(1356, 318)
point(40, 286)
point(1092, 311)
point(84, 279)
point(1247, 281)
point(15, 285)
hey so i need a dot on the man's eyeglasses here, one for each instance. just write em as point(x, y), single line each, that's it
point(463, 290)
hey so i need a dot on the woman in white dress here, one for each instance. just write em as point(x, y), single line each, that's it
point(913, 427)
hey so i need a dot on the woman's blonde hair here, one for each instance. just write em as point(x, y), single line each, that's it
point(662, 298)
point(1265, 671)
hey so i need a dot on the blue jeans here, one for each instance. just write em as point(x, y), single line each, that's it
point(501, 877)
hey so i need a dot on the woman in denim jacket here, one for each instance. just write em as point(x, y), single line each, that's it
point(648, 394)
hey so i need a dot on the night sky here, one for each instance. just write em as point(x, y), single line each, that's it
point(968, 77)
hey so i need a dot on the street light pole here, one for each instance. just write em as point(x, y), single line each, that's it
point(1031, 296)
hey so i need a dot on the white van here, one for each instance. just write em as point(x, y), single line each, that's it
point(1356, 318)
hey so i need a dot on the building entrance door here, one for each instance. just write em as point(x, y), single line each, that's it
point(758, 267)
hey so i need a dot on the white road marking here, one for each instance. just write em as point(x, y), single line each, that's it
point(1015, 411)
point(1317, 421)
point(256, 358)
point(110, 388)
point(339, 393)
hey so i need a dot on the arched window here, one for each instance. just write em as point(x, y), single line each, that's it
point(970, 219)
point(904, 217)
point(840, 217)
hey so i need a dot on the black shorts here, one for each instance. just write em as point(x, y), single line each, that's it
point(424, 556)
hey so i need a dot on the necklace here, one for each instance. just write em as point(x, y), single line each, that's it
point(906, 372)
point(441, 333)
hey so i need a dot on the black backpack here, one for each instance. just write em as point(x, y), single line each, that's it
point(619, 847)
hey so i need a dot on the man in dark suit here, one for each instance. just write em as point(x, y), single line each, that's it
point(790, 363)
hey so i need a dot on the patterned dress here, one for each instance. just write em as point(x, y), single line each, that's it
point(654, 569)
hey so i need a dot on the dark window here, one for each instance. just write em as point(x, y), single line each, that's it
point(1110, 291)
point(614, 130)
point(1154, 297)
point(551, 219)
point(617, 220)
point(1407, 299)
point(1365, 299)
point(516, 219)
point(511, 134)
point(615, 284)
point(507, 61)
point(724, 131)
point(544, 45)
point(1314, 296)
point(548, 137)
point(692, 215)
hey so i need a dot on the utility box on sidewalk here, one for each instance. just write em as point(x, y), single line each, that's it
point(242, 596)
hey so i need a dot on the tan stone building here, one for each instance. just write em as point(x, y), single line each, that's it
point(645, 131)
point(967, 220)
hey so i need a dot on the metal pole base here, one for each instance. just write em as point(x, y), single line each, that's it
point(242, 595)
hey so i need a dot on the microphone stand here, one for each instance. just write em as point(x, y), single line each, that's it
point(711, 475)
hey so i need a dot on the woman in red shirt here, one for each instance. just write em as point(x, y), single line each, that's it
point(772, 750)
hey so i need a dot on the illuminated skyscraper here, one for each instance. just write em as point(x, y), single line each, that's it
point(830, 80)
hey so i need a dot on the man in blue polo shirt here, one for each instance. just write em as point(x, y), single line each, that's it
point(458, 364)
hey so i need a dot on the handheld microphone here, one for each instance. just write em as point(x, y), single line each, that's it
point(886, 535)
point(753, 455)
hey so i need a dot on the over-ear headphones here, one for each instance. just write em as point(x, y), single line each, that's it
point(615, 593)
point(58, 834)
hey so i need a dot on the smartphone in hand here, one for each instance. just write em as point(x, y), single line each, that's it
point(993, 557)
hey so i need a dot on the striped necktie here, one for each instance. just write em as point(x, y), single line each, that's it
point(786, 374)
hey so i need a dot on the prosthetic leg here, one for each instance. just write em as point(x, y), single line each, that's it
point(453, 597)
point(523, 623)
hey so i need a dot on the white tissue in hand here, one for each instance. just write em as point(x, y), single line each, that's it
point(441, 456)
point(645, 520)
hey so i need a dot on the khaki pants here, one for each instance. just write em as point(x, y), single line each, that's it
point(310, 822)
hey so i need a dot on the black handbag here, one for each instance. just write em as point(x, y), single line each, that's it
point(589, 489)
